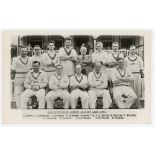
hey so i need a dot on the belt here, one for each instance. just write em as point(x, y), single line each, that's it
point(21, 72)
point(117, 85)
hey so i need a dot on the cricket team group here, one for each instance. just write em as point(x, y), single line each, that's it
point(68, 76)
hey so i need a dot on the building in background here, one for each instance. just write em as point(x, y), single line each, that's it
point(79, 40)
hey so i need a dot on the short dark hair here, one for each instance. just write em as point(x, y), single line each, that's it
point(36, 46)
point(23, 47)
point(115, 43)
point(58, 66)
point(68, 38)
point(34, 62)
point(51, 41)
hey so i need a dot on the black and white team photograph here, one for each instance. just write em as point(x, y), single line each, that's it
point(77, 72)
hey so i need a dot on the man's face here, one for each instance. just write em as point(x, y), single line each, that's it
point(97, 68)
point(36, 67)
point(59, 70)
point(23, 52)
point(78, 69)
point(115, 47)
point(132, 50)
point(68, 43)
point(51, 46)
point(83, 51)
point(121, 63)
point(37, 50)
point(99, 47)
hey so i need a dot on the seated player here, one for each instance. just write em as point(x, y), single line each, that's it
point(85, 61)
point(121, 77)
point(35, 83)
point(98, 82)
point(58, 85)
point(79, 84)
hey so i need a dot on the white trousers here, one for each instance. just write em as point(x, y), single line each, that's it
point(137, 86)
point(52, 95)
point(18, 89)
point(93, 94)
point(40, 94)
point(127, 91)
point(83, 95)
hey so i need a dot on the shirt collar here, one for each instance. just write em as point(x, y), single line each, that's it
point(77, 75)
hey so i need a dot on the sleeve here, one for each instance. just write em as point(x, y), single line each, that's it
point(74, 54)
point(72, 83)
point(104, 58)
point(126, 62)
point(44, 82)
point(141, 64)
point(93, 58)
point(52, 84)
point(60, 52)
point(90, 59)
point(14, 64)
point(27, 81)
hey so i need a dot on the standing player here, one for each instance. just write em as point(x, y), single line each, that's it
point(100, 56)
point(114, 56)
point(68, 57)
point(135, 64)
point(35, 83)
point(79, 84)
point(58, 84)
point(121, 77)
point(50, 60)
point(20, 67)
point(37, 55)
point(113, 60)
point(85, 61)
point(98, 82)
